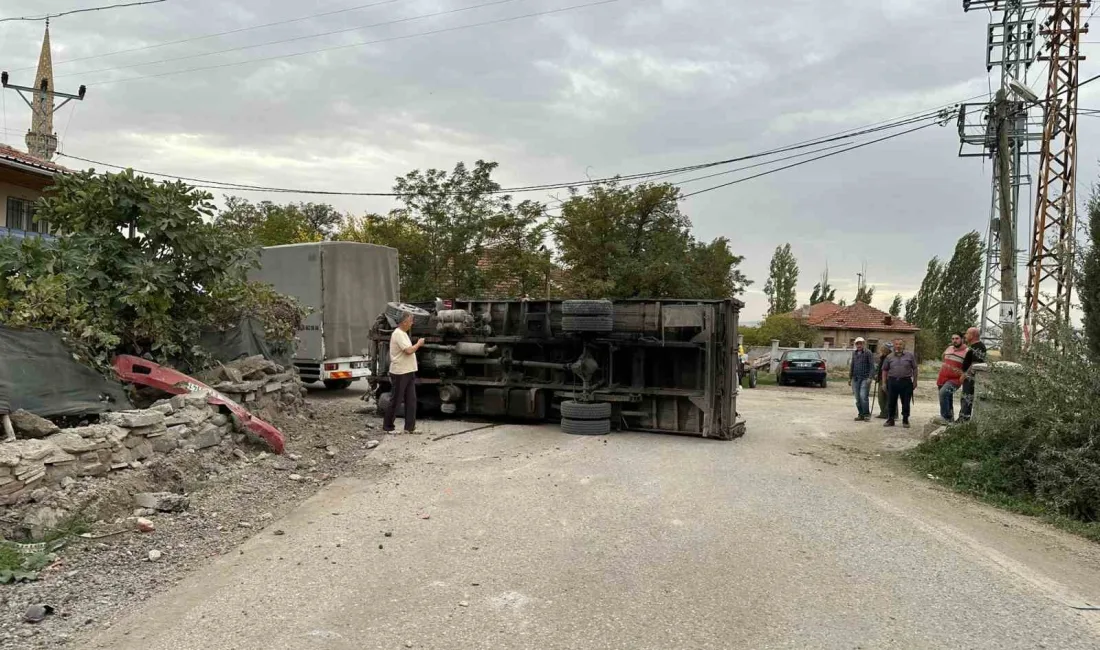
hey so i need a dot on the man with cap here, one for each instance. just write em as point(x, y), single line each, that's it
point(859, 378)
point(883, 406)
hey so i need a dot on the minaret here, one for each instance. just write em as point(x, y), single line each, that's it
point(41, 140)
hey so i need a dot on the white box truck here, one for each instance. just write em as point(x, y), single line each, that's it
point(346, 285)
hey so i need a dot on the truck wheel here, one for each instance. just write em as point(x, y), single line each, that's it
point(337, 384)
point(383, 402)
point(586, 308)
point(585, 411)
point(587, 323)
point(586, 427)
point(395, 310)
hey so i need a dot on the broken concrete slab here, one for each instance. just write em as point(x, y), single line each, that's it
point(74, 443)
point(162, 501)
point(133, 419)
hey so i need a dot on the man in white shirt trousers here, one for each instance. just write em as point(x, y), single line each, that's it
point(402, 375)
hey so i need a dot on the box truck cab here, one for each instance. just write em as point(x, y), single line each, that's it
point(345, 285)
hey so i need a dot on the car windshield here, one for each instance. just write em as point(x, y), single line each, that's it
point(803, 355)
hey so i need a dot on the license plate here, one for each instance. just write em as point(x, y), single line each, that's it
point(357, 365)
point(802, 365)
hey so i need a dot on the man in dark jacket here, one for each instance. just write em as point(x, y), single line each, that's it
point(883, 406)
point(975, 354)
point(859, 378)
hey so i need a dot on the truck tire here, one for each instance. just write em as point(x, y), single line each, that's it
point(586, 427)
point(586, 308)
point(395, 310)
point(587, 323)
point(585, 410)
point(337, 384)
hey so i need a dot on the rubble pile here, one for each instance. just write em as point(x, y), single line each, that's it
point(259, 383)
point(121, 440)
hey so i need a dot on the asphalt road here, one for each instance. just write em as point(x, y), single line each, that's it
point(803, 534)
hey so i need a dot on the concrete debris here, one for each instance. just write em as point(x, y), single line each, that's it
point(463, 603)
point(144, 525)
point(134, 419)
point(155, 555)
point(162, 501)
point(29, 425)
point(295, 477)
point(371, 444)
point(284, 464)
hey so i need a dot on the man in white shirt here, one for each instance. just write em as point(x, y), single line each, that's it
point(402, 375)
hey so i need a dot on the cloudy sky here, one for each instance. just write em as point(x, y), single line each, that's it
point(624, 87)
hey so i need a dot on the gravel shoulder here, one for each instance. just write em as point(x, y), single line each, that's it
point(804, 534)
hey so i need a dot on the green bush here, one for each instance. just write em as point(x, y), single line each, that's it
point(152, 293)
point(788, 330)
point(1036, 435)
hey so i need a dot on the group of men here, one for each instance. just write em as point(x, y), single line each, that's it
point(896, 370)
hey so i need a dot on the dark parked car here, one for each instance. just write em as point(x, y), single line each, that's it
point(802, 366)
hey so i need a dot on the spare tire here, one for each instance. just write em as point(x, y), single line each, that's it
point(586, 308)
point(395, 311)
point(586, 427)
point(587, 323)
point(585, 410)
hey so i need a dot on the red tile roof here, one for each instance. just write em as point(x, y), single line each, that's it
point(864, 317)
point(810, 314)
point(10, 154)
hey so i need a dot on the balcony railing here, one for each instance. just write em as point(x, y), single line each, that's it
point(23, 234)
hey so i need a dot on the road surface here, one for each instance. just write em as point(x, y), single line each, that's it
point(803, 534)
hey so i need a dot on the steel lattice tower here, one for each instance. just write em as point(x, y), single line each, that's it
point(1051, 258)
point(999, 130)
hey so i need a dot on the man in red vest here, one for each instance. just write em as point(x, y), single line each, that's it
point(951, 376)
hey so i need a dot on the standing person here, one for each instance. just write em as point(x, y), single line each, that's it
point(951, 375)
point(899, 373)
point(976, 353)
point(402, 375)
point(859, 378)
point(883, 404)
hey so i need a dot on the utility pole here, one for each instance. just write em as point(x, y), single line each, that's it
point(999, 130)
point(1053, 238)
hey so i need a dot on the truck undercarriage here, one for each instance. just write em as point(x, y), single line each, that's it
point(667, 366)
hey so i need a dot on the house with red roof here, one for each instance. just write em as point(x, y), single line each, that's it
point(841, 326)
point(23, 179)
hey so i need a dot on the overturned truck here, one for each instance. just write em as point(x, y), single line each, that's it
point(665, 366)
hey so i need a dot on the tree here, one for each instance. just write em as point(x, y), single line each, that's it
point(619, 241)
point(782, 280)
point(270, 224)
point(926, 306)
point(960, 287)
point(471, 232)
point(911, 310)
point(1089, 276)
point(895, 306)
point(789, 331)
point(823, 292)
point(152, 293)
point(406, 235)
point(865, 294)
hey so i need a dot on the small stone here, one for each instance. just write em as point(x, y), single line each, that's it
point(425, 516)
point(162, 501)
point(144, 525)
point(67, 482)
point(463, 603)
point(155, 555)
point(37, 613)
point(294, 457)
point(245, 524)
point(279, 532)
point(371, 444)
point(388, 534)
point(240, 454)
point(408, 644)
point(267, 516)
point(283, 465)
point(295, 477)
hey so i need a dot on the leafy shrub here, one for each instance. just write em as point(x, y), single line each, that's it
point(152, 293)
point(1036, 435)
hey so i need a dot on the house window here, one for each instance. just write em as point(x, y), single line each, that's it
point(21, 216)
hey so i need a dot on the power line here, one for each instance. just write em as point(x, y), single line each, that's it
point(217, 34)
point(80, 11)
point(810, 160)
point(292, 39)
point(817, 142)
point(364, 43)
